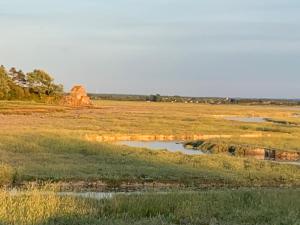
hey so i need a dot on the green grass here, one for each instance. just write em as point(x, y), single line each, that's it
point(44, 143)
point(224, 207)
point(48, 157)
point(130, 118)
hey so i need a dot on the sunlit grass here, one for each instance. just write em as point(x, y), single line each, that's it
point(41, 142)
point(48, 157)
point(47, 143)
point(248, 207)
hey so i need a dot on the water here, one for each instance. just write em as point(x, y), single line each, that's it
point(88, 195)
point(92, 195)
point(162, 145)
point(247, 119)
point(296, 163)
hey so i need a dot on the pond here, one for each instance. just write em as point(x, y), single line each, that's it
point(247, 119)
point(170, 146)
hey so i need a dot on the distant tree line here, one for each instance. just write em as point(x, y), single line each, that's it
point(197, 100)
point(36, 85)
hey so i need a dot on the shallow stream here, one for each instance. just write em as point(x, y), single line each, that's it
point(170, 146)
point(247, 119)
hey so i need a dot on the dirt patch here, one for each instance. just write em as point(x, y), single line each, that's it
point(257, 153)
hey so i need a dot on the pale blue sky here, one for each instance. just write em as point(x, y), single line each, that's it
point(237, 48)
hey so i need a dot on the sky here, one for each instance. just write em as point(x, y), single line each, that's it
point(232, 48)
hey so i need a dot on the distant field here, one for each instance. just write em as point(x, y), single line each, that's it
point(128, 118)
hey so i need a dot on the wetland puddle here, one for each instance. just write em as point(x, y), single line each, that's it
point(170, 146)
point(88, 195)
point(247, 119)
point(91, 195)
point(174, 147)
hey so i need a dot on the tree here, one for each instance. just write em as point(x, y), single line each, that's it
point(17, 77)
point(36, 85)
point(42, 83)
point(4, 87)
point(155, 98)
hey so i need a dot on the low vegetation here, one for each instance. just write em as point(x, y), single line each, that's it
point(7, 175)
point(224, 207)
point(48, 157)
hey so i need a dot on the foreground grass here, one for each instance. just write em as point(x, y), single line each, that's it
point(247, 207)
point(49, 157)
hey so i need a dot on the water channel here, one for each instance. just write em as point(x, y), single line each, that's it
point(171, 146)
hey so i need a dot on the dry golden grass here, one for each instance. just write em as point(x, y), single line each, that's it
point(143, 118)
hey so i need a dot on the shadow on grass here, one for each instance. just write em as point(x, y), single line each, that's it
point(64, 158)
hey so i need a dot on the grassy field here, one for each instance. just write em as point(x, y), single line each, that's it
point(127, 118)
point(47, 143)
point(43, 143)
point(49, 157)
point(223, 207)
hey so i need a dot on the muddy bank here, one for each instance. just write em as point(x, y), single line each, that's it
point(201, 142)
point(114, 138)
point(102, 186)
point(244, 151)
point(282, 122)
point(101, 138)
point(129, 187)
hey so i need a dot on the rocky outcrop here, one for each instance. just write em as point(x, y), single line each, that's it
point(77, 98)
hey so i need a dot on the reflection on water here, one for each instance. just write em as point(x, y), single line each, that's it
point(162, 145)
point(247, 119)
